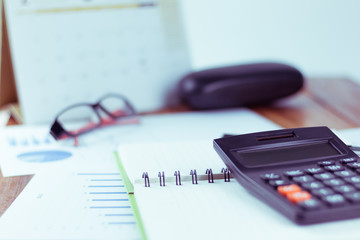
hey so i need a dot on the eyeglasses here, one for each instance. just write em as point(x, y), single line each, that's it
point(84, 117)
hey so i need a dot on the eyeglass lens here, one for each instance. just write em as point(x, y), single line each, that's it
point(115, 106)
point(84, 117)
point(79, 118)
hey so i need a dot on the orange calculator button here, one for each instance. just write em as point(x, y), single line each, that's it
point(298, 196)
point(287, 189)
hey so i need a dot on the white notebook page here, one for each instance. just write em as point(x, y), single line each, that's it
point(192, 132)
point(168, 158)
point(214, 210)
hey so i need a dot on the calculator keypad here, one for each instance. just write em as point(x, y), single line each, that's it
point(278, 183)
point(353, 197)
point(285, 190)
point(297, 197)
point(315, 170)
point(294, 173)
point(310, 204)
point(334, 168)
point(326, 184)
point(345, 173)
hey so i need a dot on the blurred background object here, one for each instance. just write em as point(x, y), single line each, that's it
point(240, 85)
point(319, 37)
point(69, 51)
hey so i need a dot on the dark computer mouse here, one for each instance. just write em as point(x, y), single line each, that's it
point(241, 85)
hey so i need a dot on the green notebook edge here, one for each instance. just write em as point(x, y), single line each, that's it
point(130, 190)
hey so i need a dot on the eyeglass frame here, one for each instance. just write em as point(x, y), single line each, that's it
point(57, 130)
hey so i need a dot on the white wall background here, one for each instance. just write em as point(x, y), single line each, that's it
point(320, 37)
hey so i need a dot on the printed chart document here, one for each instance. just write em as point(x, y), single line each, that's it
point(29, 149)
point(219, 210)
point(71, 51)
point(83, 196)
point(70, 203)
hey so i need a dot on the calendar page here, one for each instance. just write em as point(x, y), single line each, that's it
point(72, 51)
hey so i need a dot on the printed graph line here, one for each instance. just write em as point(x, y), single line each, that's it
point(117, 223)
point(105, 186)
point(28, 141)
point(88, 8)
point(97, 174)
point(105, 180)
point(108, 207)
point(119, 215)
point(107, 192)
point(110, 200)
point(12, 141)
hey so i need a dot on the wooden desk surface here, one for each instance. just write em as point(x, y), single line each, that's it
point(323, 102)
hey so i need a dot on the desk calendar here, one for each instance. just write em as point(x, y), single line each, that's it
point(71, 51)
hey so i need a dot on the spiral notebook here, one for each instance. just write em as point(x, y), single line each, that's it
point(216, 209)
point(177, 170)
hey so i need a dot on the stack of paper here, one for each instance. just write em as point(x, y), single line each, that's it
point(79, 194)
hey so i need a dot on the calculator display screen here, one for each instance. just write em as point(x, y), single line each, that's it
point(289, 153)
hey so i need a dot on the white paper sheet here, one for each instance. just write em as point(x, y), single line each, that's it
point(69, 203)
point(224, 210)
point(29, 149)
point(4, 117)
point(350, 136)
point(57, 202)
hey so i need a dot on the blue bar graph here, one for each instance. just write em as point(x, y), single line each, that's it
point(107, 198)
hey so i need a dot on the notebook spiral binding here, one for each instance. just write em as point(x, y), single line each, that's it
point(193, 176)
point(226, 174)
point(209, 176)
point(145, 176)
point(162, 177)
point(178, 177)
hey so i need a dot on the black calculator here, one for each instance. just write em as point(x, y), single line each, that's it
point(307, 174)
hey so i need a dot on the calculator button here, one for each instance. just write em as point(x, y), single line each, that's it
point(353, 180)
point(294, 173)
point(314, 170)
point(348, 160)
point(322, 192)
point(312, 185)
point(303, 179)
point(324, 176)
point(310, 204)
point(298, 196)
point(353, 197)
point(334, 200)
point(354, 165)
point(287, 189)
point(270, 176)
point(326, 163)
point(277, 183)
point(334, 168)
point(345, 173)
point(344, 189)
point(334, 182)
